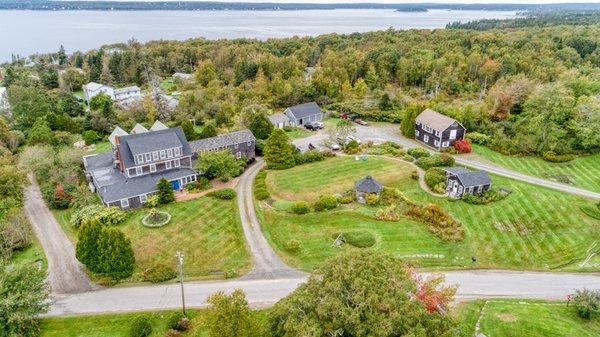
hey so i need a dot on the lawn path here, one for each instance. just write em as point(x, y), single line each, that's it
point(65, 273)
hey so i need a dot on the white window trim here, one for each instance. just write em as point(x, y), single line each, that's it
point(177, 152)
point(416, 132)
point(139, 171)
point(140, 158)
point(452, 134)
point(147, 157)
point(436, 142)
point(162, 154)
point(445, 144)
point(143, 198)
point(426, 138)
point(177, 163)
point(155, 155)
point(169, 153)
point(168, 164)
point(124, 203)
point(238, 154)
point(152, 168)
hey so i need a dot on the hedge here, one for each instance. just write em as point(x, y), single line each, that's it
point(225, 194)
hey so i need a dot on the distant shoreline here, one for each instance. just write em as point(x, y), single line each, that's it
point(48, 5)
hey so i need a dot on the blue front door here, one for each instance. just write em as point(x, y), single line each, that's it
point(175, 184)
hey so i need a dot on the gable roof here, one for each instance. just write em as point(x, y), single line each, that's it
point(158, 125)
point(225, 140)
point(132, 88)
point(435, 120)
point(138, 128)
point(93, 86)
point(117, 132)
point(470, 179)
point(278, 118)
point(132, 145)
point(305, 110)
point(368, 185)
point(455, 170)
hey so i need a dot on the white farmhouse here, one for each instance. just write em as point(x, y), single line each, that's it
point(127, 93)
point(92, 89)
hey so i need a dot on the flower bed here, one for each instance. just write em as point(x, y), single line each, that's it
point(156, 219)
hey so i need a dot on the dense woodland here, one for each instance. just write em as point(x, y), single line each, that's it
point(531, 90)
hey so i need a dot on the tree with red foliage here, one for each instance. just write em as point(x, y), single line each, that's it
point(61, 199)
point(432, 292)
point(463, 146)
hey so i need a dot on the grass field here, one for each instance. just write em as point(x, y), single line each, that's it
point(206, 230)
point(533, 228)
point(519, 318)
point(582, 172)
point(298, 132)
point(338, 174)
point(32, 254)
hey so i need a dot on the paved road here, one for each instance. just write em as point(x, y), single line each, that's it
point(65, 273)
point(390, 133)
point(267, 265)
point(264, 292)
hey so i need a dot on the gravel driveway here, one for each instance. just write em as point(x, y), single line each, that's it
point(65, 274)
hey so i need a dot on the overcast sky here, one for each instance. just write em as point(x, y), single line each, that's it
point(402, 1)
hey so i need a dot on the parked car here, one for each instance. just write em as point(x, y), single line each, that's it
point(360, 121)
point(311, 126)
point(333, 146)
point(319, 125)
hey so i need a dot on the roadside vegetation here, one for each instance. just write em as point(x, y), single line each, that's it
point(206, 230)
point(532, 228)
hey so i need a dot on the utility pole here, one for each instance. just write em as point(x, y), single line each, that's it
point(179, 256)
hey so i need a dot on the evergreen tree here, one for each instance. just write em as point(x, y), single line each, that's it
point(188, 130)
point(230, 316)
point(50, 78)
point(407, 125)
point(40, 133)
point(261, 126)
point(87, 250)
point(165, 192)
point(62, 56)
point(116, 259)
point(208, 131)
point(278, 152)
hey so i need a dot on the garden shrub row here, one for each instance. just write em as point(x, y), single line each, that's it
point(435, 178)
point(557, 158)
point(325, 202)
point(224, 194)
point(417, 152)
point(309, 157)
point(388, 148)
point(440, 223)
point(484, 198)
point(478, 138)
point(201, 184)
point(159, 272)
point(260, 186)
point(436, 160)
point(108, 216)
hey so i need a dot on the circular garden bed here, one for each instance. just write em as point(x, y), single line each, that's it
point(156, 219)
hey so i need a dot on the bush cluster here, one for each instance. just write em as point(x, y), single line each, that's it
point(587, 303)
point(224, 194)
point(178, 321)
point(310, 156)
point(478, 138)
point(108, 216)
point(371, 199)
point(159, 273)
point(140, 326)
point(389, 213)
point(260, 186)
point(390, 196)
point(293, 246)
point(417, 152)
point(351, 147)
point(434, 178)
point(557, 158)
point(439, 222)
point(301, 207)
point(414, 175)
point(388, 148)
point(357, 238)
point(201, 184)
point(463, 146)
point(347, 197)
point(484, 198)
point(436, 160)
point(325, 202)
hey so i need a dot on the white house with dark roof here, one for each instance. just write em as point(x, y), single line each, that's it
point(303, 114)
point(437, 130)
point(131, 93)
point(128, 174)
point(461, 181)
point(242, 144)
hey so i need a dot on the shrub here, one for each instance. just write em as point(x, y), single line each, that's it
point(159, 273)
point(292, 246)
point(260, 186)
point(557, 158)
point(165, 192)
point(439, 222)
point(221, 164)
point(408, 158)
point(371, 199)
point(484, 198)
point(173, 333)
point(90, 137)
point(435, 176)
point(225, 194)
point(417, 152)
point(178, 321)
point(230, 273)
point(388, 148)
point(108, 216)
point(347, 198)
point(390, 196)
point(201, 184)
point(288, 128)
point(310, 156)
point(152, 201)
point(463, 146)
point(478, 138)
point(389, 213)
point(140, 326)
point(358, 238)
point(351, 147)
point(442, 159)
point(325, 202)
point(449, 150)
point(587, 303)
point(300, 207)
point(414, 175)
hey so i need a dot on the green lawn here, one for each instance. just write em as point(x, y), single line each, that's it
point(533, 228)
point(526, 318)
point(298, 132)
point(206, 230)
point(333, 175)
point(582, 172)
point(32, 254)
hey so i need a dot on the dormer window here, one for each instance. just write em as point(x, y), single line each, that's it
point(169, 153)
point(177, 162)
point(162, 154)
point(155, 155)
point(138, 171)
point(140, 158)
point(148, 157)
point(177, 152)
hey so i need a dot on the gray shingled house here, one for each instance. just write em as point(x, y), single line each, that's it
point(128, 174)
point(303, 114)
point(241, 143)
point(365, 186)
point(437, 130)
point(279, 120)
point(459, 181)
